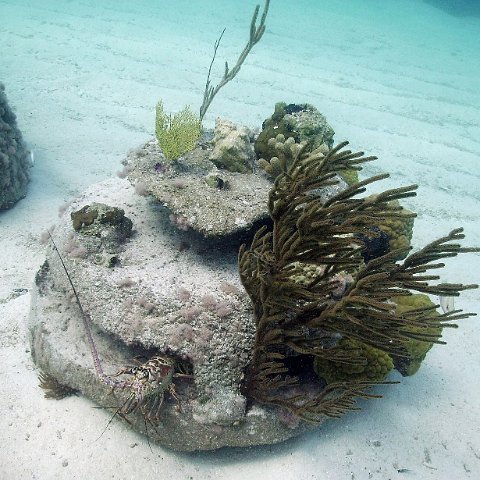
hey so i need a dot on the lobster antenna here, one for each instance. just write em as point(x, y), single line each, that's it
point(86, 323)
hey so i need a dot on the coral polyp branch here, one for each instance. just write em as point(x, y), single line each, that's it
point(346, 312)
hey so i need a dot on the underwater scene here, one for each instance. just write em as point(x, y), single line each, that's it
point(240, 239)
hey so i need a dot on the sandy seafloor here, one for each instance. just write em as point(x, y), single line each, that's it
point(397, 79)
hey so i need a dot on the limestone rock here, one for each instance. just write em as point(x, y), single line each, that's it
point(204, 198)
point(186, 303)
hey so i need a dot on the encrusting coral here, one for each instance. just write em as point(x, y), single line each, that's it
point(416, 350)
point(309, 320)
point(373, 364)
point(399, 231)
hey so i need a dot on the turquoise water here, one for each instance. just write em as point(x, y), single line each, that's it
point(459, 8)
point(397, 79)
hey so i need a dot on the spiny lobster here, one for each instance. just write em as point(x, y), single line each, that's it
point(145, 384)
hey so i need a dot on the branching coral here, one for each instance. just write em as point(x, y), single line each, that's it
point(256, 33)
point(306, 318)
point(286, 151)
point(301, 122)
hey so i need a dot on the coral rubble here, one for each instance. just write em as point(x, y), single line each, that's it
point(232, 149)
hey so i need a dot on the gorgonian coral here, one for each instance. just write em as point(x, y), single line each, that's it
point(307, 321)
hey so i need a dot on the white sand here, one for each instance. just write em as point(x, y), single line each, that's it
point(398, 79)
